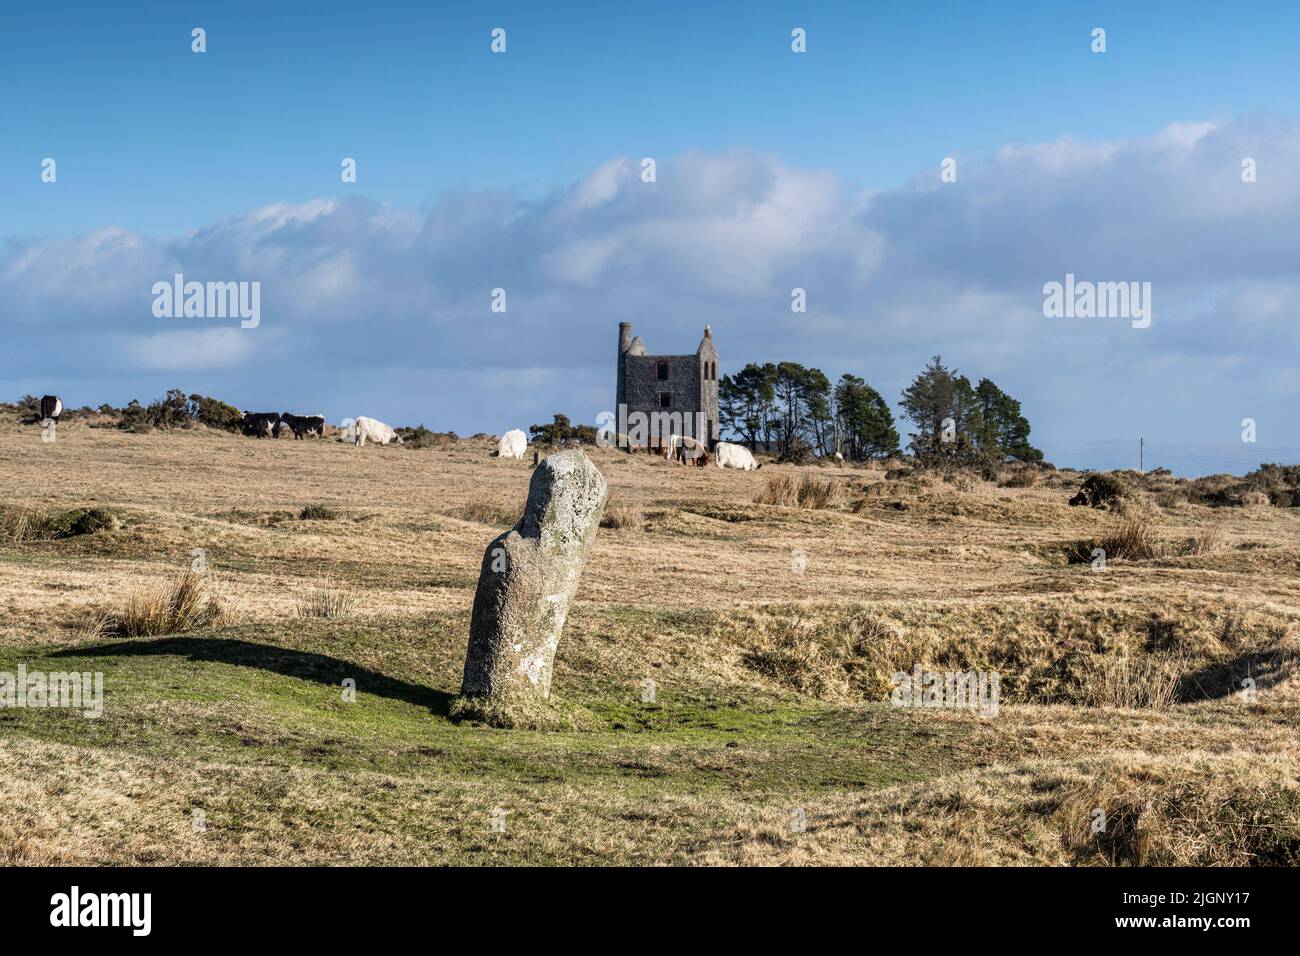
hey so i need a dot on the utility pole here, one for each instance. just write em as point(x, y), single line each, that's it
point(1142, 465)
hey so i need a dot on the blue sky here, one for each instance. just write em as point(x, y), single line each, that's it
point(474, 163)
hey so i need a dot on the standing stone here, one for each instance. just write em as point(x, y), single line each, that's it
point(528, 578)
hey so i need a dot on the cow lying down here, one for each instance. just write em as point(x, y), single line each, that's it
point(727, 455)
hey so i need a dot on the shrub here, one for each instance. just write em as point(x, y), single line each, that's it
point(215, 413)
point(176, 410)
point(318, 512)
point(170, 608)
point(1100, 491)
point(562, 432)
point(798, 453)
point(421, 437)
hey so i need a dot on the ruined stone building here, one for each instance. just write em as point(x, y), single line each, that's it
point(662, 395)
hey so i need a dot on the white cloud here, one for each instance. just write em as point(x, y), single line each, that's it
point(361, 289)
point(203, 349)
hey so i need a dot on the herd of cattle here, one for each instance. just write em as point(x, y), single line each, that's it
point(359, 431)
point(681, 448)
point(272, 424)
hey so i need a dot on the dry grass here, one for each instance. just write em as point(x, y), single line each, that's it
point(619, 514)
point(19, 523)
point(485, 512)
point(765, 676)
point(1133, 682)
point(1132, 538)
point(1215, 813)
point(184, 604)
point(16, 523)
point(1208, 542)
point(329, 598)
point(803, 491)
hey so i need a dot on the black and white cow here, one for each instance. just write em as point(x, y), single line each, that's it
point(302, 425)
point(261, 424)
point(51, 407)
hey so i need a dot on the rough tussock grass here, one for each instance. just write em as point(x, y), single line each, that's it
point(175, 607)
point(806, 491)
point(1220, 812)
point(327, 599)
point(1143, 657)
point(620, 514)
point(19, 523)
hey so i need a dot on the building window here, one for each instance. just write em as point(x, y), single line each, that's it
point(665, 400)
point(662, 370)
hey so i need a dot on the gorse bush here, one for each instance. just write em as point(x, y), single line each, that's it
point(318, 512)
point(176, 410)
point(1100, 491)
point(421, 437)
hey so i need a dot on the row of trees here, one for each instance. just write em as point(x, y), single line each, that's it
point(795, 412)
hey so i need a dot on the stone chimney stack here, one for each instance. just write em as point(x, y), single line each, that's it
point(624, 343)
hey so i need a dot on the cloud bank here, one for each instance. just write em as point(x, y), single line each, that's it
point(370, 309)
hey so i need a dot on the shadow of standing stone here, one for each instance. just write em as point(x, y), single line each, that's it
point(528, 577)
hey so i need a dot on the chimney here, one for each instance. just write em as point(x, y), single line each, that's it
point(620, 383)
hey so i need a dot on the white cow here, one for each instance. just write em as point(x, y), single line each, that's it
point(727, 455)
point(839, 459)
point(512, 444)
point(375, 431)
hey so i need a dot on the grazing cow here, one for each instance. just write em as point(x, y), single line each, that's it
point(368, 429)
point(727, 455)
point(839, 459)
point(302, 425)
point(260, 424)
point(51, 408)
point(686, 450)
point(512, 444)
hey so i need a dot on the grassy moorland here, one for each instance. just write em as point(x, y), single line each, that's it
point(327, 563)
